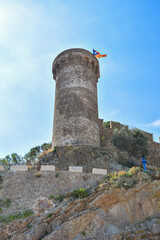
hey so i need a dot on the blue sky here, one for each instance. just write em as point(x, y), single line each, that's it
point(33, 32)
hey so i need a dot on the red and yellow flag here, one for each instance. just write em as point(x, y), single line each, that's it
point(98, 55)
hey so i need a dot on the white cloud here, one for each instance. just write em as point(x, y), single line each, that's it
point(113, 113)
point(154, 124)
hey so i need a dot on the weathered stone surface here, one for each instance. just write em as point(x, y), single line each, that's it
point(143, 176)
point(18, 168)
point(106, 212)
point(1, 168)
point(34, 234)
point(76, 72)
point(158, 174)
point(99, 171)
point(87, 156)
point(75, 169)
point(23, 188)
point(47, 168)
point(42, 205)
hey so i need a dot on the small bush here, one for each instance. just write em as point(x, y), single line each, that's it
point(106, 124)
point(56, 175)
point(54, 149)
point(46, 152)
point(80, 193)
point(50, 215)
point(83, 232)
point(102, 138)
point(9, 218)
point(5, 203)
point(133, 141)
point(37, 174)
point(51, 196)
point(59, 198)
point(30, 168)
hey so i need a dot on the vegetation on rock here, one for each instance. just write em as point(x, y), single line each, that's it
point(24, 214)
point(133, 141)
point(80, 193)
point(5, 202)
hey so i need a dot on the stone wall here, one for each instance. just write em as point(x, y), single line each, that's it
point(106, 135)
point(87, 157)
point(23, 188)
point(76, 72)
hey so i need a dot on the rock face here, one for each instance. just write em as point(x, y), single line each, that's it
point(87, 156)
point(76, 72)
point(104, 212)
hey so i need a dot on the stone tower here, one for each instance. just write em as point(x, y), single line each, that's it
point(76, 72)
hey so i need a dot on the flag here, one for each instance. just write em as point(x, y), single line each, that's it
point(98, 55)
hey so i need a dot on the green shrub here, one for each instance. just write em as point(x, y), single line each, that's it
point(132, 141)
point(59, 198)
point(80, 193)
point(56, 175)
point(83, 232)
point(106, 124)
point(54, 149)
point(9, 218)
point(49, 215)
point(5, 203)
point(51, 196)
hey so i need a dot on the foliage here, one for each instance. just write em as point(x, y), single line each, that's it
point(83, 232)
point(106, 124)
point(5, 203)
point(54, 149)
point(32, 154)
point(56, 175)
point(102, 138)
point(51, 196)
point(4, 162)
point(45, 152)
point(114, 176)
point(80, 193)
point(15, 159)
point(9, 218)
point(59, 198)
point(30, 168)
point(37, 174)
point(46, 146)
point(131, 140)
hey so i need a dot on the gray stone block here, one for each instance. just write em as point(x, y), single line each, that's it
point(18, 168)
point(99, 171)
point(47, 168)
point(75, 169)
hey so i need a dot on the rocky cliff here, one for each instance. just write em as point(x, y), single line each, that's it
point(125, 205)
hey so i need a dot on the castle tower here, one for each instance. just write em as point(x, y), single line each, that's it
point(76, 72)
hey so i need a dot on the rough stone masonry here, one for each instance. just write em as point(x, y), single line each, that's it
point(76, 72)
